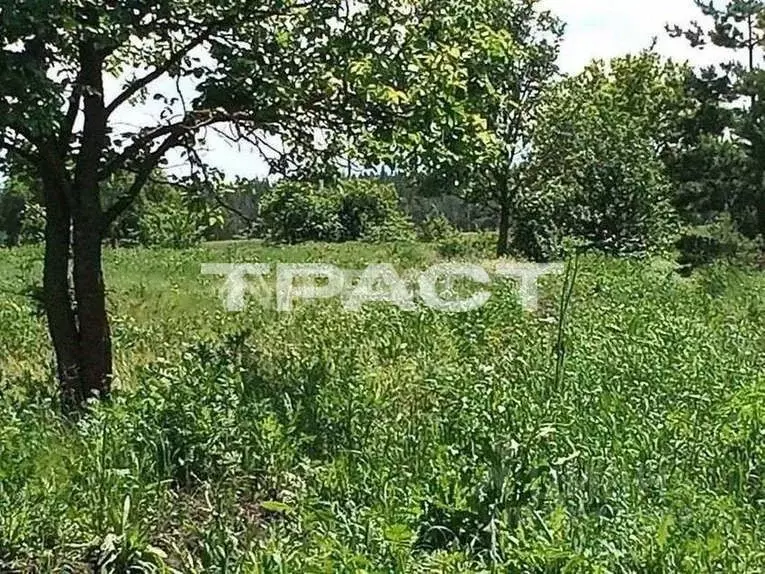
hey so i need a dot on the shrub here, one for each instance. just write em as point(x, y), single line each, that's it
point(168, 221)
point(436, 228)
point(468, 245)
point(293, 212)
point(717, 241)
point(613, 207)
point(595, 174)
point(369, 210)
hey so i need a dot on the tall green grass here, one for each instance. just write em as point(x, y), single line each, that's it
point(392, 441)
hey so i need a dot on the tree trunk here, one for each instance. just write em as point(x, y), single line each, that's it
point(505, 200)
point(87, 216)
point(59, 311)
point(77, 319)
point(504, 229)
point(90, 295)
point(76, 309)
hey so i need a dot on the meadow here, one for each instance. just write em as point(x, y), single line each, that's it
point(619, 428)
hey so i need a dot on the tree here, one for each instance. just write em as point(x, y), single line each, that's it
point(55, 116)
point(727, 132)
point(595, 165)
point(468, 81)
point(737, 26)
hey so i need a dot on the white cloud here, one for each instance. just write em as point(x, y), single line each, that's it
point(605, 29)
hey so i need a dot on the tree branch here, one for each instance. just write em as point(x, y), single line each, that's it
point(71, 114)
point(193, 121)
point(140, 83)
point(144, 81)
point(142, 176)
point(218, 199)
point(14, 148)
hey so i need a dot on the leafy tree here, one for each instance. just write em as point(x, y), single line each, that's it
point(737, 127)
point(596, 166)
point(468, 78)
point(55, 115)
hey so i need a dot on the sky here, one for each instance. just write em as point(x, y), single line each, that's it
point(600, 29)
point(609, 28)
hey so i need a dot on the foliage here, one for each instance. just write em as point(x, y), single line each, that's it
point(715, 242)
point(167, 220)
point(19, 193)
point(32, 224)
point(712, 178)
point(435, 228)
point(57, 115)
point(730, 110)
point(468, 245)
point(469, 79)
point(239, 206)
point(597, 172)
point(165, 215)
point(351, 209)
point(387, 440)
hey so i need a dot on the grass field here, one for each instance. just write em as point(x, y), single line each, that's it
point(388, 440)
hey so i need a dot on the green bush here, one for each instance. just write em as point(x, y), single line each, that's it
point(436, 228)
point(168, 221)
point(615, 198)
point(467, 245)
point(356, 209)
point(292, 212)
point(595, 174)
point(717, 241)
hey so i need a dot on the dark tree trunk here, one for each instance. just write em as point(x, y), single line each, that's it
point(505, 201)
point(89, 293)
point(76, 310)
point(62, 324)
point(90, 296)
point(503, 248)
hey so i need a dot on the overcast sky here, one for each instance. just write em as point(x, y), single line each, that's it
point(595, 29)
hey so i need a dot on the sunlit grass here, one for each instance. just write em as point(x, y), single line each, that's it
point(384, 440)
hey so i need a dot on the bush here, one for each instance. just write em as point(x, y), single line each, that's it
point(168, 221)
point(355, 209)
point(292, 212)
point(595, 175)
point(468, 245)
point(612, 205)
point(436, 228)
point(369, 210)
point(717, 241)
